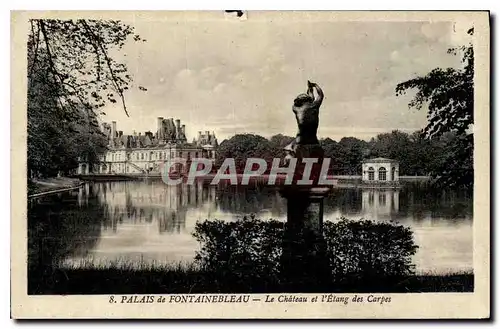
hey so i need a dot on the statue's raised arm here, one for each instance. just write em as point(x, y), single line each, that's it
point(317, 100)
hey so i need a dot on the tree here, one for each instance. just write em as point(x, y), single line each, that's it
point(71, 75)
point(76, 55)
point(244, 146)
point(332, 151)
point(352, 151)
point(449, 96)
point(278, 142)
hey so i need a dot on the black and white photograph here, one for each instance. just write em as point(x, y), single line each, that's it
point(252, 160)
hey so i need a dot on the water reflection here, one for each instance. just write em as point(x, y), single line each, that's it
point(150, 221)
point(380, 203)
point(62, 225)
point(151, 202)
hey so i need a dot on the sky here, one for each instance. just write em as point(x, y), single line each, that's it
point(236, 76)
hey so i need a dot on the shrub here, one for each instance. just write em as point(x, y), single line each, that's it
point(246, 255)
point(246, 252)
point(368, 251)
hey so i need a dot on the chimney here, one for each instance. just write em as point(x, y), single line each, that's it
point(120, 133)
point(177, 129)
point(183, 129)
point(113, 129)
point(160, 127)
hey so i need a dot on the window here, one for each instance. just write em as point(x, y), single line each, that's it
point(382, 174)
point(142, 156)
point(161, 155)
point(393, 173)
point(371, 173)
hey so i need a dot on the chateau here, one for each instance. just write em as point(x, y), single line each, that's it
point(144, 153)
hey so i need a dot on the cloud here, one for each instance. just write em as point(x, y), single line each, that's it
point(242, 76)
point(395, 57)
point(220, 88)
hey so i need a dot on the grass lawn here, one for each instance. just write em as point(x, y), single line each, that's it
point(163, 279)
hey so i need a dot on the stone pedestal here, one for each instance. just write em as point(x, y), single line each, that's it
point(300, 152)
point(304, 261)
point(305, 206)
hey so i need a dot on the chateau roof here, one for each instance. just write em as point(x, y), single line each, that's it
point(379, 160)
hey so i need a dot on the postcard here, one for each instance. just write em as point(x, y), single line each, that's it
point(250, 164)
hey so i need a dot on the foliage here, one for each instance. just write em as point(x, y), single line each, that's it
point(367, 250)
point(352, 153)
point(244, 146)
point(449, 97)
point(248, 252)
point(278, 142)
point(417, 155)
point(76, 54)
point(71, 75)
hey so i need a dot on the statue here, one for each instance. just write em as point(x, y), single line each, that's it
point(304, 255)
point(306, 109)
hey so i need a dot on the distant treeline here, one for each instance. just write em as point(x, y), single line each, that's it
point(416, 154)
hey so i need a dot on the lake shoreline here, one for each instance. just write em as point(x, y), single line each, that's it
point(45, 186)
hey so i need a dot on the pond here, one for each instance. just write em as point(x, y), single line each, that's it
point(137, 222)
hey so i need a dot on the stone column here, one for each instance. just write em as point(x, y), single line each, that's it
point(304, 260)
